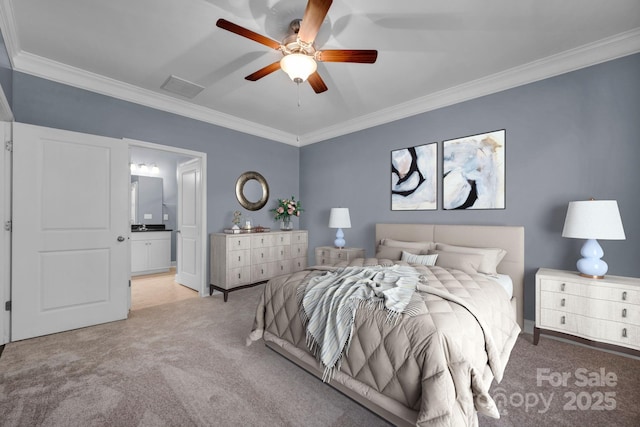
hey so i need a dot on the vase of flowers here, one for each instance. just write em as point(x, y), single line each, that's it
point(286, 209)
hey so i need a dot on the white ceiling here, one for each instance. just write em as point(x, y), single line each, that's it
point(431, 54)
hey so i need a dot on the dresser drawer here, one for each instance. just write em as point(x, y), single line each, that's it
point(281, 267)
point(238, 276)
point(239, 242)
point(239, 258)
point(261, 272)
point(282, 239)
point(298, 250)
point(263, 254)
point(263, 240)
point(299, 237)
point(299, 264)
point(281, 253)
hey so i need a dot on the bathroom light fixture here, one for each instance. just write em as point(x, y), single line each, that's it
point(339, 218)
point(591, 220)
point(155, 169)
point(143, 167)
point(133, 167)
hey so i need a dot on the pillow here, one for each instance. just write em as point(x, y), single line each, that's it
point(466, 262)
point(491, 256)
point(416, 246)
point(419, 259)
point(390, 252)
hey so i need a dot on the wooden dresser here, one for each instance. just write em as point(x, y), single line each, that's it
point(242, 260)
point(600, 312)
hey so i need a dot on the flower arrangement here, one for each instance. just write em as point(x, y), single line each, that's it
point(237, 217)
point(287, 208)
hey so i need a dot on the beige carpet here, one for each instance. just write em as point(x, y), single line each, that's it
point(186, 364)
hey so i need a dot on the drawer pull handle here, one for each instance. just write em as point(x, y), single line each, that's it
point(624, 312)
point(238, 257)
point(262, 255)
point(562, 287)
point(624, 296)
point(238, 275)
point(262, 271)
point(562, 302)
point(562, 320)
point(281, 267)
point(624, 332)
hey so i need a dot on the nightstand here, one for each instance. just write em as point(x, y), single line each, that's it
point(329, 255)
point(603, 313)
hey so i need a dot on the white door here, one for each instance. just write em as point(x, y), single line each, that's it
point(188, 236)
point(70, 257)
point(5, 233)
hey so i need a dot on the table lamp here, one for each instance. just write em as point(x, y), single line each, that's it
point(339, 218)
point(591, 220)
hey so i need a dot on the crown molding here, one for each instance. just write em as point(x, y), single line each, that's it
point(617, 46)
point(607, 49)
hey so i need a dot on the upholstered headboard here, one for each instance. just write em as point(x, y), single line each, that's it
point(509, 238)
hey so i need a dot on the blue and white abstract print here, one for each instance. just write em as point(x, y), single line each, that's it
point(473, 172)
point(413, 178)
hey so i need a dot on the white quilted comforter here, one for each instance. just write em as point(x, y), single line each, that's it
point(439, 363)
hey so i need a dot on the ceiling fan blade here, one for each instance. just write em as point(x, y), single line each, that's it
point(317, 83)
point(338, 55)
point(265, 71)
point(312, 19)
point(241, 31)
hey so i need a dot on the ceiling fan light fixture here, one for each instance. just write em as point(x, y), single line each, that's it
point(298, 66)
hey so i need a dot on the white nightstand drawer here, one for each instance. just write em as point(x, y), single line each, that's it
point(558, 320)
point(589, 307)
point(621, 334)
point(593, 289)
point(261, 255)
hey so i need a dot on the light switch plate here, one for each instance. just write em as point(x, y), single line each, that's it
point(166, 217)
point(148, 216)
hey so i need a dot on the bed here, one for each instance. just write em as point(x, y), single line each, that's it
point(435, 366)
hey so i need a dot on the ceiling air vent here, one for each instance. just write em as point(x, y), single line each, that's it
point(181, 87)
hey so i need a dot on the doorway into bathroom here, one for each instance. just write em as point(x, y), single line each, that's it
point(163, 280)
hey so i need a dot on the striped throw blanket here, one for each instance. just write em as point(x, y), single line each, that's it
point(329, 303)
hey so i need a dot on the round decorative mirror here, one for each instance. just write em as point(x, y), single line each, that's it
point(252, 191)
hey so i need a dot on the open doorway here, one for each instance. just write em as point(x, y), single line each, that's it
point(157, 283)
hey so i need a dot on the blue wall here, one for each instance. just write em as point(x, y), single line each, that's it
point(229, 153)
point(570, 137)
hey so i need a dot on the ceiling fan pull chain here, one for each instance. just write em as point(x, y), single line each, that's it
point(298, 83)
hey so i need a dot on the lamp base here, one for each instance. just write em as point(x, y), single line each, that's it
point(591, 265)
point(589, 276)
point(339, 242)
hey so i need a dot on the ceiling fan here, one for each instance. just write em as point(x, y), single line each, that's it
point(299, 53)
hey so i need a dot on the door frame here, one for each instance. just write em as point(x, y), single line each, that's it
point(204, 286)
point(5, 235)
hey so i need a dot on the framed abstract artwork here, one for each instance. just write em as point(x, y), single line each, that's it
point(473, 173)
point(413, 178)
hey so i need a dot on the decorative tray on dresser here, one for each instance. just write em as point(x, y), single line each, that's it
point(603, 313)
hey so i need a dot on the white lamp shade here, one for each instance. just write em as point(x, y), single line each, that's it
point(593, 219)
point(298, 66)
point(339, 218)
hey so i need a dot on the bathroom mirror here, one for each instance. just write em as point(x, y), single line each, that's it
point(252, 191)
point(146, 200)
